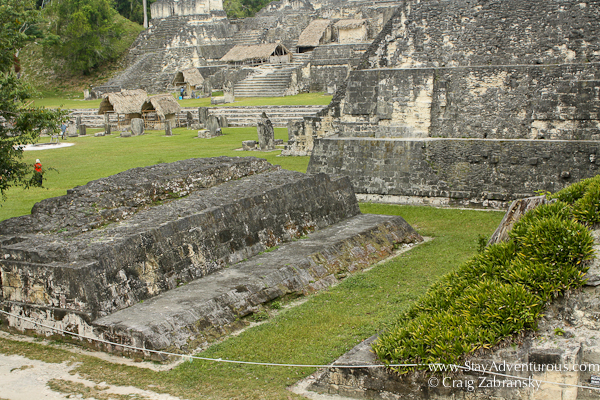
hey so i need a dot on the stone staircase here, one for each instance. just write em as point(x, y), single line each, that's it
point(249, 37)
point(247, 116)
point(270, 80)
point(236, 116)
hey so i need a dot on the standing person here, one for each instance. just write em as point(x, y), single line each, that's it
point(38, 174)
point(63, 128)
point(181, 91)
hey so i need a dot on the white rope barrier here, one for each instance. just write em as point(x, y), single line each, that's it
point(437, 367)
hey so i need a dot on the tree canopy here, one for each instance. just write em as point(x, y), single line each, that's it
point(132, 9)
point(243, 8)
point(84, 33)
point(20, 124)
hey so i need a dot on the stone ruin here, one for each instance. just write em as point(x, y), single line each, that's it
point(169, 256)
point(186, 34)
point(266, 133)
point(467, 103)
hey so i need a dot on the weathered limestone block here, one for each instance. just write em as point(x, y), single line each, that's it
point(137, 126)
point(266, 133)
point(107, 127)
point(125, 133)
point(82, 268)
point(78, 121)
point(82, 130)
point(213, 126)
point(216, 100)
point(168, 131)
point(299, 267)
point(248, 145)
point(223, 121)
point(295, 129)
point(202, 114)
point(517, 209)
point(206, 134)
point(72, 130)
point(228, 92)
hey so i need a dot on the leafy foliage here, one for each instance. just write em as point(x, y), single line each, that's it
point(501, 291)
point(243, 8)
point(132, 9)
point(84, 33)
point(20, 124)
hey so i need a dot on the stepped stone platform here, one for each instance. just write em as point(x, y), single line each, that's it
point(236, 116)
point(185, 239)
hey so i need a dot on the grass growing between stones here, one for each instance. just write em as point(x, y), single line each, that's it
point(96, 157)
point(315, 332)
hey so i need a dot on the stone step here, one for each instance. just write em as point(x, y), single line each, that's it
point(236, 116)
point(187, 316)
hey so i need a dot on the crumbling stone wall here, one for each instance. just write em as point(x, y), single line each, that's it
point(498, 102)
point(461, 33)
point(465, 171)
point(168, 8)
point(499, 70)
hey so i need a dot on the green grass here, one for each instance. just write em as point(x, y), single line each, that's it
point(96, 157)
point(316, 332)
point(69, 100)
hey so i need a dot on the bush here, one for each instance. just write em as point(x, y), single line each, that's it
point(501, 291)
point(587, 208)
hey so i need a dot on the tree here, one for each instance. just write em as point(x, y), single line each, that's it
point(20, 123)
point(133, 10)
point(243, 8)
point(84, 33)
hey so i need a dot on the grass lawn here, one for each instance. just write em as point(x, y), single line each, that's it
point(315, 332)
point(96, 157)
point(76, 101)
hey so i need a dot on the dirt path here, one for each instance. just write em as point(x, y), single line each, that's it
point(25, 379)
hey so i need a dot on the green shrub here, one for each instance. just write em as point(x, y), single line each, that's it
point(501, 291)
point(555, 241)
point(558, 209)
point(574, 192)
point(587, 208)
point(482, 316)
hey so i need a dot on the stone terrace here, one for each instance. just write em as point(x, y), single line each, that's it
point(117, 241)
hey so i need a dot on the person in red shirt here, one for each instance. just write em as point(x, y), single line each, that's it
point(38, 174)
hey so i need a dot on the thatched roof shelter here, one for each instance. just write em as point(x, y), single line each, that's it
point(257, 52)
point(350, 23)
point(163, 104)
point(315, 33)
point(124, 102)
point(190, 76)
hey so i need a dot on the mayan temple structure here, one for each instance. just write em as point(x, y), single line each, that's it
point(185, 34)
point(467, 102)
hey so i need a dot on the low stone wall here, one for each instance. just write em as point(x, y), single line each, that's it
point(465, 171)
